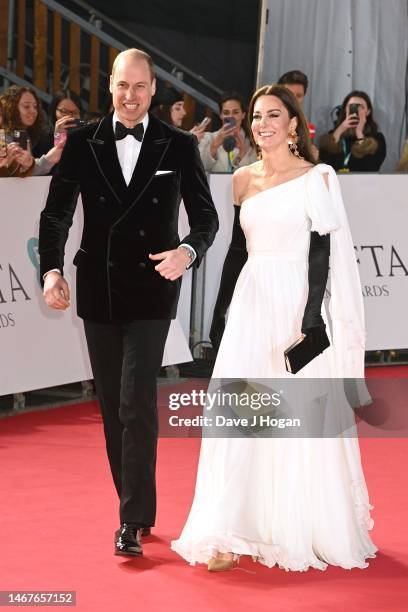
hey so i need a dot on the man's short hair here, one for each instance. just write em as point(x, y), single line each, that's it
point(136, 54)
point(294, 77)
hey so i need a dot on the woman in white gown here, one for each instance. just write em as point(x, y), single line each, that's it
point(295, 502)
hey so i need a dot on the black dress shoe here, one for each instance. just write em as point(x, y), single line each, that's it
point(145, 531)
point(128, 542)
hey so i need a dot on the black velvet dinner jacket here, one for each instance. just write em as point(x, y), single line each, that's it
point(116, 280)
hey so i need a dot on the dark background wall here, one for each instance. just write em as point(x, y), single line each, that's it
point(215, 38)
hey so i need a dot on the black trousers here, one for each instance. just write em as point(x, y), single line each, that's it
point(126, 359)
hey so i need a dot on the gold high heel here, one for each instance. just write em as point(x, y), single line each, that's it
point(222, 562)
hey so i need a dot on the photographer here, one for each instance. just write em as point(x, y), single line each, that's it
point(229, 148)
point(355, 144)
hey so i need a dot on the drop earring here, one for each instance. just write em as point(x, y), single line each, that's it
point(292, 143)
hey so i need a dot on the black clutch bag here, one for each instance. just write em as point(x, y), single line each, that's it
point(304, 350)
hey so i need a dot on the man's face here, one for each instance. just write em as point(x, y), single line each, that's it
point(132, 89)
point(297, 90)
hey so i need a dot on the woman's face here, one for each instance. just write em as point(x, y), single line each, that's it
point(28, 109)
point(67, 107)
point(177, 113)
point(271, 123)
point(363, 110)
point(232, 108)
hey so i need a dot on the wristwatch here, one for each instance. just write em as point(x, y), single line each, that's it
point(190, 253)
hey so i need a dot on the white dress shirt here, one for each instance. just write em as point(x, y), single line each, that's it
point(129, 149)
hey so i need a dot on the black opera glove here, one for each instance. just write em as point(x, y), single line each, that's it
point(233, 264)
point(319, 256)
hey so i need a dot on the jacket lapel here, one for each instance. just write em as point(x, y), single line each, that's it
point(104, 151)
point(154, 146)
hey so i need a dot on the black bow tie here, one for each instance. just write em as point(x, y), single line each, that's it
point(121, 131)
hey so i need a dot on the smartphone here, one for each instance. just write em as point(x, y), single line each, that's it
point(229, 142)
point(230, 121)
point(78, 123)
point(353, 112)
point(354, 108)
point(206, 121)
point(3, 144)
point(21, 138)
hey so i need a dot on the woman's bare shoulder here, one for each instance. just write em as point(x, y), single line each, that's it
point(240, 181)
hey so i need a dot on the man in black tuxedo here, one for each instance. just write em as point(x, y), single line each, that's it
point(131, 170)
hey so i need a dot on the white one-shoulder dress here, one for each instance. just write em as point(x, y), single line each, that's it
point(294, 502)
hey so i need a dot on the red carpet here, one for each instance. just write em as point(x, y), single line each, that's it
point(59, 513)
point(387, 372)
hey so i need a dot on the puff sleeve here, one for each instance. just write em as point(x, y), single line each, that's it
point(320, 207)
point(327, 213)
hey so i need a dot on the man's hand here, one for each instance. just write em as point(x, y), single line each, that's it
point(173, 263)
point(56, 291)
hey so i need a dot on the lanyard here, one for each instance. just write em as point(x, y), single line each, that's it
point(231, 159)
point(346, 152)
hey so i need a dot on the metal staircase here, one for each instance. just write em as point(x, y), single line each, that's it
point(46, 45)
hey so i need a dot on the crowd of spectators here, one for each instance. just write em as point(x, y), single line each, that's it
point(34, 141)
point(23, 122)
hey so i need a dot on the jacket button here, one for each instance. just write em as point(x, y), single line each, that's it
point(142, 233)
point(102, 199)
point(111, 264)
point(155, 200)
point(142, 265)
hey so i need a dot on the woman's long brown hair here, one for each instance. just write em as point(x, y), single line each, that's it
point(11, 115)
point(292, 106)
